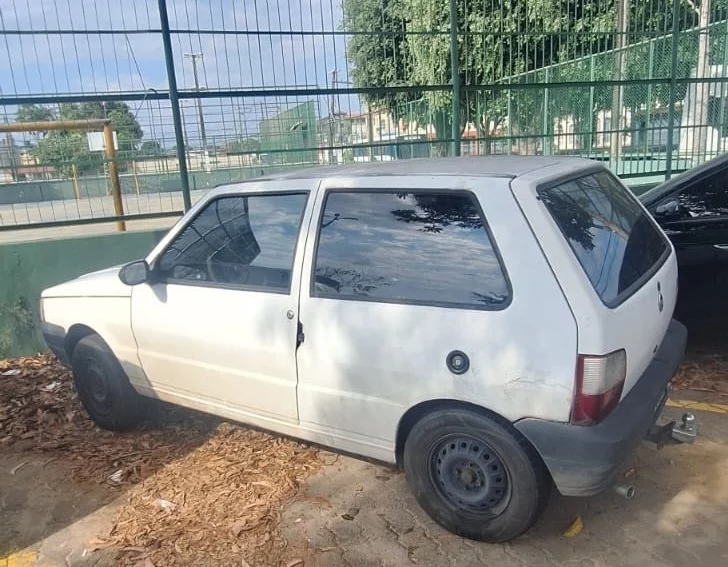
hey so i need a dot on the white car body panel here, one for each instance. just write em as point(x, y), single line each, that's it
point(363, 364)
point(637, 325)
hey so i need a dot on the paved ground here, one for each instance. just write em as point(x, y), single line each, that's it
point(679, 517)
point(357, 514)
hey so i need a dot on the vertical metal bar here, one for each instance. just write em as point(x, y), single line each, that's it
point(509, 113)
point(590, 122)
point(648, 125)
point(615, 144)
point(721, 120)
point(673, 86)
point(545, 130)
point(174, 101)
point(455, 77)
point(114, 176)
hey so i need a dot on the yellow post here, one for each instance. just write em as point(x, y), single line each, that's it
point(136, 177)
point(74, 173)
point(114, 175)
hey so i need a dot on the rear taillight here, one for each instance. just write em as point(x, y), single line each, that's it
point(599, 383)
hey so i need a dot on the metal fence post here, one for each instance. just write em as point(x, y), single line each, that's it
point(673, 86)
point(174, 100)
point(455, 77)
point(545, 126)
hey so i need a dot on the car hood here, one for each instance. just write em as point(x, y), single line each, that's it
point(104, 283)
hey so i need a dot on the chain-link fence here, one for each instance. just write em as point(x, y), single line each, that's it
point(204, 92)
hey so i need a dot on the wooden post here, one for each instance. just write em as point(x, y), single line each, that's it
point(114, 175)
point(136, 177)
point(74, 173)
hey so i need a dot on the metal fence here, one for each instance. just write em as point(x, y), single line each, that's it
point(204, 92)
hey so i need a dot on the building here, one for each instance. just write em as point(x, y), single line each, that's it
point(290, 136)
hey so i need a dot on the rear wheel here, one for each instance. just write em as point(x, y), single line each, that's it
point(103, 387)
point(475, 476)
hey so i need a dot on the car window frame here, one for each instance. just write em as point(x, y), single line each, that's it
point(639, 282)
point(154, 268)
point(413, 302)
point(675, 193)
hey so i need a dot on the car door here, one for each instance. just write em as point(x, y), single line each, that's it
point(216, 328)
point(695, 217)
point(405, 299)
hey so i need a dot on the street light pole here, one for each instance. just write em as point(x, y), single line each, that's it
point(194, 57)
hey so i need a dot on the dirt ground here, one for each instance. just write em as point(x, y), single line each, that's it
point(187, 489)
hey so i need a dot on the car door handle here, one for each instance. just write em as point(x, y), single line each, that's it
point(722, 247)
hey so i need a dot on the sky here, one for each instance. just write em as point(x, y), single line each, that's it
point(133, 60)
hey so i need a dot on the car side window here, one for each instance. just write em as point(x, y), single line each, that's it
point(706, 198)
point(246, 241)
point(418, 247)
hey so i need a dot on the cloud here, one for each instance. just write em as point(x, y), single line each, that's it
point(43, 64)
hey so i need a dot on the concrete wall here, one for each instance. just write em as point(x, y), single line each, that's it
point(27, 268)
point(57, 189)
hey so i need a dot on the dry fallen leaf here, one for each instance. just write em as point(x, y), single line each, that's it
point(350, 514)
point(576, 527)
point(17, 467)
point(228, 483)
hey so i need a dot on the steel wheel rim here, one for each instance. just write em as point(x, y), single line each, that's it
point(98, 393)
point(469, 474)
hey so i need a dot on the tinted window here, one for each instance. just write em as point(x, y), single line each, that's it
point(614, 240)
point(410, 247)
point(707, 198)
point(241, 240)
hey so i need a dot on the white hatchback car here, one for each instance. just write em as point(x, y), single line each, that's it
point(494, 326)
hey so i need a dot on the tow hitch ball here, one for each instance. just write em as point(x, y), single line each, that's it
point(687, 431)
point(673, 433)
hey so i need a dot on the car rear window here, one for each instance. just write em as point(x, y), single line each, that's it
point(617, 244)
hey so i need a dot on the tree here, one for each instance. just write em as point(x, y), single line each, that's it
point(151, 148)
point(509, 42)
point(34, 113)
point(61, 148)
point(244, 146)
point(406, 42)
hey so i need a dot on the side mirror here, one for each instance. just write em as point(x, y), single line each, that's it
point(135, 273)
point(668, 208)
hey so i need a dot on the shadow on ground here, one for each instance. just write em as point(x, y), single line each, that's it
point(57, 468)
point(360, 514)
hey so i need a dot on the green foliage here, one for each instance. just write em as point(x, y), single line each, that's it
point(151, 148)
point(502, 42)
point(244, 146)
point(62, 148)
point(34, 113)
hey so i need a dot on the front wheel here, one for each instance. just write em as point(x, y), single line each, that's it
point(474, 476)
point(103, 387)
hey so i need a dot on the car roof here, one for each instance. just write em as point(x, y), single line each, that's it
point(685, 178)
point(487, 166)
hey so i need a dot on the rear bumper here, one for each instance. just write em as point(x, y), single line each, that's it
point(55, 337)
point(583, 460)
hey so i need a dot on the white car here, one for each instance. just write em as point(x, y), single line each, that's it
point(493, 325)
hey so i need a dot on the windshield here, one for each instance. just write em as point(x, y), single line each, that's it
point(615, 241)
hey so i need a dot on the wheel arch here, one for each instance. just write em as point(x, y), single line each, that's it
point(418, 411)
point(75, 333)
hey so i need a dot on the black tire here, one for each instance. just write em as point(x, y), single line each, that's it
point(475, 475)
point(103, 387)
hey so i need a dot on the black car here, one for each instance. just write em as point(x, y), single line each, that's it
point(692, 209)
